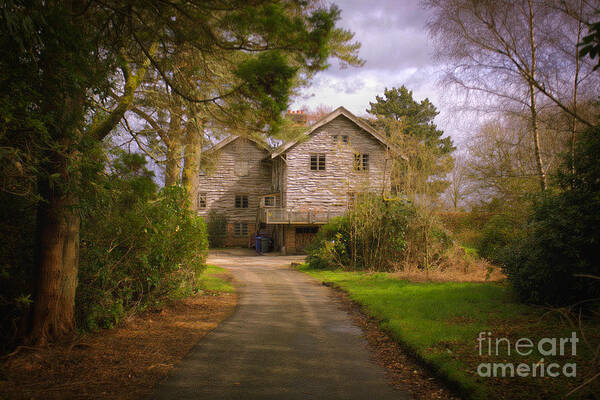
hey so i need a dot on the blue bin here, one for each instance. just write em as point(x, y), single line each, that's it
point(258, 244)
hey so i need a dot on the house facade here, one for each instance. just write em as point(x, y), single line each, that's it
point(288, 193)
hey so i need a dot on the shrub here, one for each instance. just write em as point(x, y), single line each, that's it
point(563, 242)
point(139, 246)
point(331, 246)
point(371, 236)
point(216, 226)
point(497, 233)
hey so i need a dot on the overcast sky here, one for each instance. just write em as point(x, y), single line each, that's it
point(397, 51)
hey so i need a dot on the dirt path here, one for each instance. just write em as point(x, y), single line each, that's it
point(288, 339)
point(123, 363)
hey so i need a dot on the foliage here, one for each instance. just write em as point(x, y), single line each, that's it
point(378, 234)
point(17, 237)
point(139, 247)
point(216, 227)
point(421, 157)
point(564, 236)
point(439, 322)
point(416, 117)
point(330, 248)
point(501, 230)
point(71, 70)
point(590, 45)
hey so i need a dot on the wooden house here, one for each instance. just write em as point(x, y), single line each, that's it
point(289, 192)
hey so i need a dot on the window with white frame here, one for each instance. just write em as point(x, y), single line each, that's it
point(269, 201)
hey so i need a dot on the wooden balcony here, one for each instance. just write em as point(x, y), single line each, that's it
point(282, 216)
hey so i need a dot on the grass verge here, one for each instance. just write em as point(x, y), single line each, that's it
point(215, 279)
point(439, 323)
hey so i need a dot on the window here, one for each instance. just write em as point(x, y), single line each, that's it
point(269, 201)
point(240, 229)
point(361, 162)
point(336, 138)
point(317, 162)
point(202, 200)
point(241, 201)
point(241, 168)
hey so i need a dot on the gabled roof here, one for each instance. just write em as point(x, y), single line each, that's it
point(328, 118)
point(233, 138)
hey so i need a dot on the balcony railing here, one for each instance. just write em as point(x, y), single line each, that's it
point(283, 216)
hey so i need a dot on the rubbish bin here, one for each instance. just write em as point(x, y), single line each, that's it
point(265, 244)
point(258, 243)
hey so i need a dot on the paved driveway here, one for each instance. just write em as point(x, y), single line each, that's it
point(288, 339)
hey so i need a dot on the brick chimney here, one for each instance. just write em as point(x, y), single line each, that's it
point(297, 116)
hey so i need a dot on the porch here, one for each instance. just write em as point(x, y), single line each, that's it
point(282, 216)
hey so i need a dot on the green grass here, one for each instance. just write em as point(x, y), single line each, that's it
point(212, 280)
point(439, 323)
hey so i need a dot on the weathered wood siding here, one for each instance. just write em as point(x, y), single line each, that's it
point(221, 185)
point(328, 189)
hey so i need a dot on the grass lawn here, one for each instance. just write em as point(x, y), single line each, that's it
point(440, 323)
point(213, 279)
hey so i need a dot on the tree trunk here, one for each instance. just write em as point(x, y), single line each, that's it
point(174, 150)
point(58, 226)
point(575, 87)
point(532, 104)
point(191, 161)
point(172, 168)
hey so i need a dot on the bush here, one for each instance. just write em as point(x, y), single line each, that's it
point(139, 246)
point(370, 237)
point(564, 236)
point(331, 246)
point(216, 226)
point(500, 231)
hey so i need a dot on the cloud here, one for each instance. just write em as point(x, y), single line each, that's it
point(397, 52)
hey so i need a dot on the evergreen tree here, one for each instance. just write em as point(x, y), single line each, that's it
point(416, 118)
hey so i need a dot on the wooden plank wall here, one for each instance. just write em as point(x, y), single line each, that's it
point(329, 189)
point(221, 185)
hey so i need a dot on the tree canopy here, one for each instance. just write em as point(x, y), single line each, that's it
point(415, 117)
point(71, 70)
